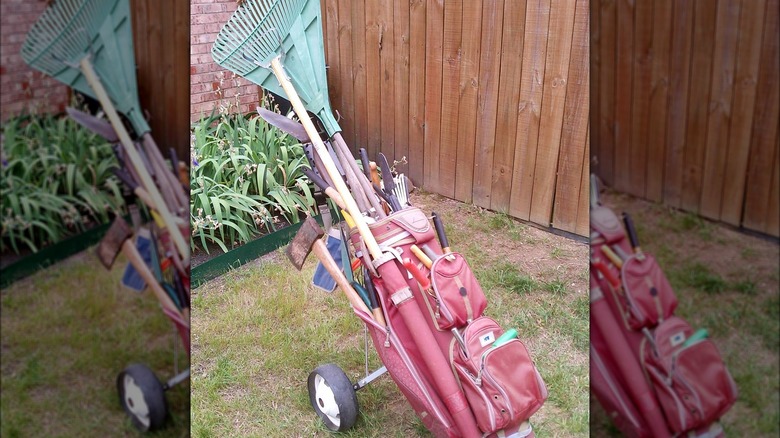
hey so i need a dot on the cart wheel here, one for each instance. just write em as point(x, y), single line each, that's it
point(333, 397)
point(142, 396)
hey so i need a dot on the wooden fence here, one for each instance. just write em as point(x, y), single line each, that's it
point(685, 95)
point(488, 100)
point(161, 34)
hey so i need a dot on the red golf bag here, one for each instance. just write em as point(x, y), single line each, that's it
point(438, 347)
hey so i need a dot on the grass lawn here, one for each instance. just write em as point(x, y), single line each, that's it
point(67, 332)
point(725, 281)
point(260, 330)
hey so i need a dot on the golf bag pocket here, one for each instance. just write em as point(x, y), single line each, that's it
point(404, 227)
point(457, 297)
point(690, 380)
point(606, 223)
point(501, 382)
point(648, 294)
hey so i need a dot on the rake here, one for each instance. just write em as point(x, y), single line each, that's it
point(263, 30)
point(257, 36)
point(88, 45)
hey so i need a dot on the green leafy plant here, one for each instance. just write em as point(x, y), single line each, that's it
point(55, 181)
point(246, 180)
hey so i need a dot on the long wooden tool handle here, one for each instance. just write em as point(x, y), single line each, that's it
point(330, 167)
point(146, 180)
point(359, 177)
point(130, 251)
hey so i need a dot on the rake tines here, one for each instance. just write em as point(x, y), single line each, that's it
point(69, 30)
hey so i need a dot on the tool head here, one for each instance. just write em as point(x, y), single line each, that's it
point(69, 30)
point(300, 247)
point(284, 124)
point(261, 30)
point(111, 244)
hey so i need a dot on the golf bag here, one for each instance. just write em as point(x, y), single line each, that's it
point(652, 374)
point(498, 381)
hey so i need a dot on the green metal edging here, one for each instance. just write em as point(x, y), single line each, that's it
point(51, 255)
point(244, 254)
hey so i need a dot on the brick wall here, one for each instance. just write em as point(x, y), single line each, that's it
point(23, 89)
point(210, 85)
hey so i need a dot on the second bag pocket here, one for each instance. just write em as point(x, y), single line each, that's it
point(501, 382)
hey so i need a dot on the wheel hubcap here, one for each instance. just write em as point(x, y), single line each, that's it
point(134, 400)
point(326, 401)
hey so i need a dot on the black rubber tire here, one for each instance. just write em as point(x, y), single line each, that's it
point(344, 397)
point(142, 397)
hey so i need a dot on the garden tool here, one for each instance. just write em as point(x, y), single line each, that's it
point(308, 239)
point(445, 244)
point(259, 31)
point(116, 240)
point(72, 41)
point(284, 124)
point(256, 35)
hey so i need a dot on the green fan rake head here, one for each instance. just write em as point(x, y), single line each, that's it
point(70, 30)
point(261, 30)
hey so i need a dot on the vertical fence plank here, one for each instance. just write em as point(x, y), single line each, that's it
point(373, 82)
point(699, 96)
point(537, 21)
point(346, 78)
point(719, 108)
point(434, 12)
point(583, 209)
point(643, 71)
point(358, 18)
point(471, 24)
point(751, 26)
point(606, 123)
point(678, 100)
point(386, 108)
point(772, 216)
point(508, 100)
point(333, 55)
point(573, 157)
point(623, 79)
point(489, 68)
point(417, 20)
point(765, 129)
point(595, 92)
point(401, 116)
point(659, 97)
point(450, 100)
point(553, 100)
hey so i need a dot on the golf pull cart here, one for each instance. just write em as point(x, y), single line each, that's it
point(88, 45)
point(421, 305)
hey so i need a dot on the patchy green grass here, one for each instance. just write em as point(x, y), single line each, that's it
point(67, 332)
point(260, 330)
point(726, 282)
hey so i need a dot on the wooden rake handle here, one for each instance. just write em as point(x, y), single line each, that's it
point(146, 180)
point(330, 166)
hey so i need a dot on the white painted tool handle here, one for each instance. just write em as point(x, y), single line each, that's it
point(330, 167)
point(146, 180)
